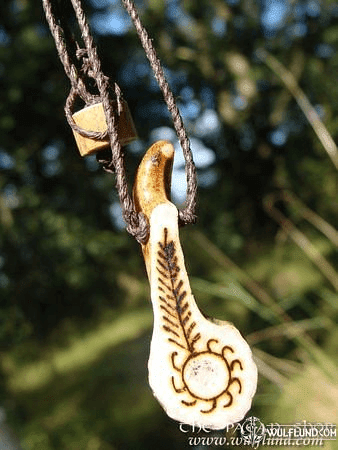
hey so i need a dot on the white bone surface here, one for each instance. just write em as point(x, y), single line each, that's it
point(203, 374)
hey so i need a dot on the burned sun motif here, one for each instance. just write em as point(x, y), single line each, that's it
point(206, 375)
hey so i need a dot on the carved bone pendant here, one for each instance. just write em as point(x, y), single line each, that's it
point(201, 372)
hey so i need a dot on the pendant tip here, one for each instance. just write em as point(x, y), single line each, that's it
point(153, 179)
point(166, 148)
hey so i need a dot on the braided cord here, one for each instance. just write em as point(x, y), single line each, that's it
point(187, 215)
point(91, 68)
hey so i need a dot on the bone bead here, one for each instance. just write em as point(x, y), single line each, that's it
point(201, 372)
point(92, 118)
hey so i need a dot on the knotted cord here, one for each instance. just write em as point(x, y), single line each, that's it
point(91, 69)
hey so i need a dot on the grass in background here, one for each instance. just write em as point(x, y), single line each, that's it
point(91, 391)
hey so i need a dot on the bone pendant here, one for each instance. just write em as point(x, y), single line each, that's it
point(202, 373)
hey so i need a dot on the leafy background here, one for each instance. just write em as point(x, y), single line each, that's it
point(75, 318)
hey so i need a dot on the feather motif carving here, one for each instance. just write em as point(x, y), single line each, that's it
point(177, 320)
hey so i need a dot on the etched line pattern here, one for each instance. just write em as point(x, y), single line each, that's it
point(177, 316)
point(214, 365)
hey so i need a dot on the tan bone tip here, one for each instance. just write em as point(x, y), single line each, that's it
point(153, 178)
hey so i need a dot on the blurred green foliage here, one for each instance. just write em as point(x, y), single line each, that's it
point(75, 319)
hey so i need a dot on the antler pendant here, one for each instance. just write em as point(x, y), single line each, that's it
point(201, 372)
